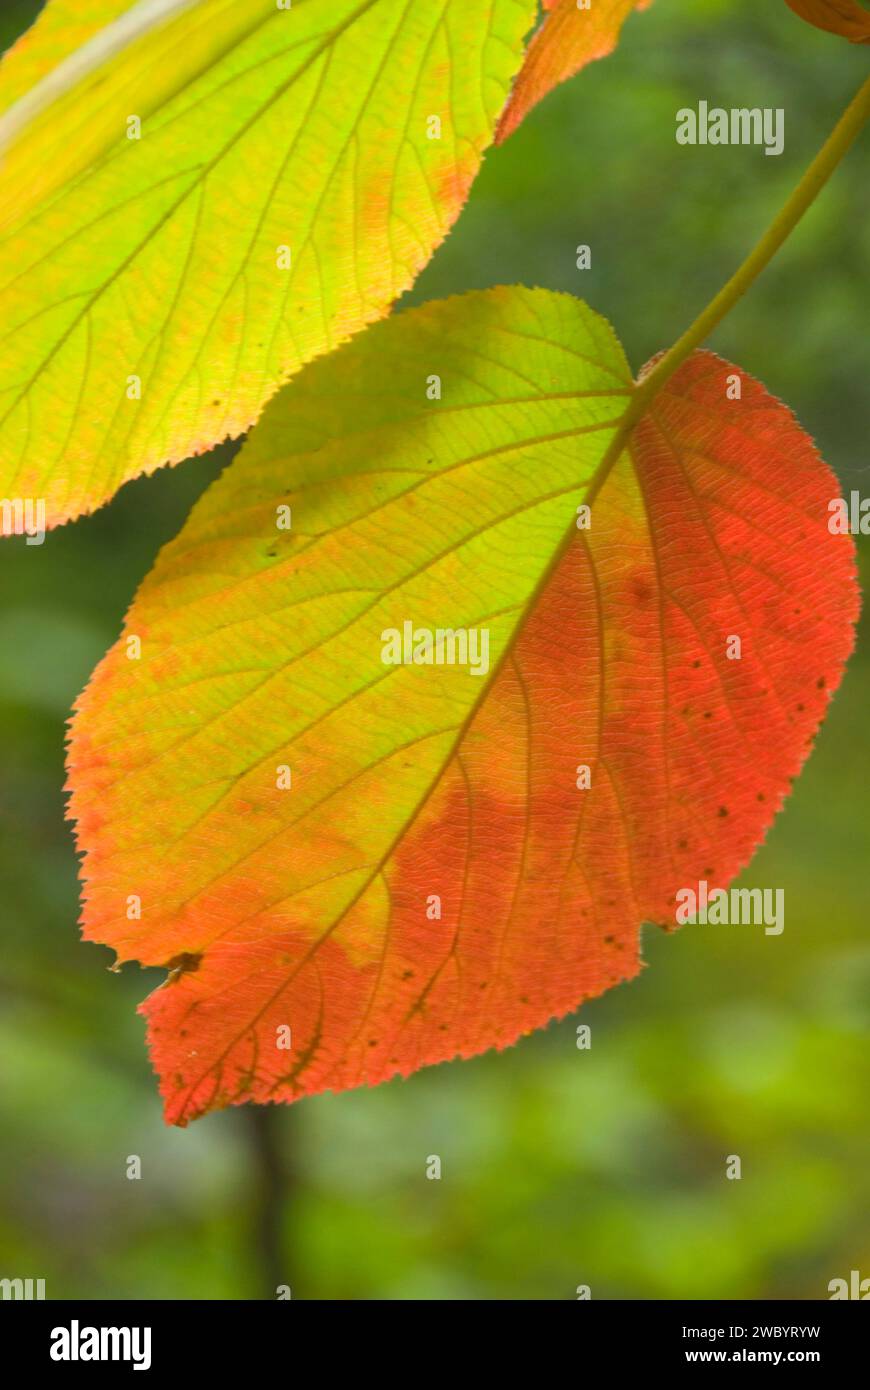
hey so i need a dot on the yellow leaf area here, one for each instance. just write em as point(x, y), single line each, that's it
point(285, 183)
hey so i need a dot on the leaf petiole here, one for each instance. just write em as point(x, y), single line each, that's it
point(647, 388)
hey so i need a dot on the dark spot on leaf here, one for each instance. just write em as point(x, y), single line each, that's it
point(641, 590)
point(185, 963)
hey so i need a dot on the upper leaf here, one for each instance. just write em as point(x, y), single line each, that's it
point(568, 39)
point(312, 906)
point(844, 17)
point(290, 181)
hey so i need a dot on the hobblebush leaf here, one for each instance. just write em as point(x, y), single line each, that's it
point(845, 17)
point(291, 172)
point(401, 863)
point(567, 40)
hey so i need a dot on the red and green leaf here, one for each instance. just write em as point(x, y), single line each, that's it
point(311, 907)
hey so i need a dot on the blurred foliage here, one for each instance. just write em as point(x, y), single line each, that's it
point(560, 1166)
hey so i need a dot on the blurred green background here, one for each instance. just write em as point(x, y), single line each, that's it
point(560, 1167)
